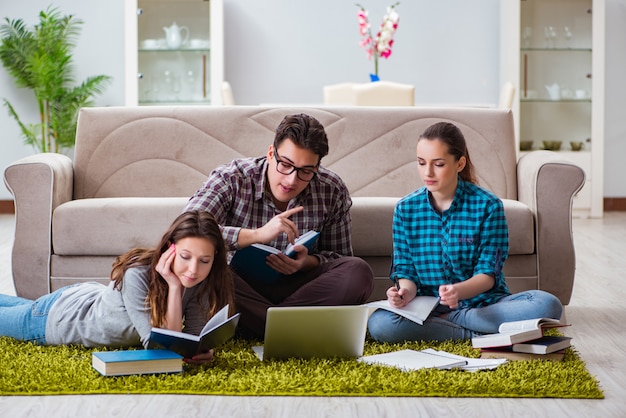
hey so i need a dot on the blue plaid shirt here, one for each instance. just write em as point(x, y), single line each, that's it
point(433, 248)
point(235, 194)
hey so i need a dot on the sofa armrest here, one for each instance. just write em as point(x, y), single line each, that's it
point(547, 184)
point(38, 183)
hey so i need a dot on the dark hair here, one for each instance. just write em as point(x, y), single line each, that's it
point(452, 136)
point(305, 131)
point(214, 292)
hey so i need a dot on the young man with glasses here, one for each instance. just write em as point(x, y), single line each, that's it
point(273, 199)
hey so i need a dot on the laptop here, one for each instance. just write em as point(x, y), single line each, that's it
point(314, 331)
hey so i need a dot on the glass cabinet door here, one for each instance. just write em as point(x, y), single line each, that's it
point(174, 52)
point(555, 69)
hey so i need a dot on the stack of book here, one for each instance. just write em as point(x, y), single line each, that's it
point(523, 340)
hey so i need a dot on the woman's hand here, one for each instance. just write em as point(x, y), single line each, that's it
point(449, 296)
point(401, 294)
point(164, 267)
point(201, 358)
point(174, 310)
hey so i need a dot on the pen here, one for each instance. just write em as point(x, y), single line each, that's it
point(397, 282)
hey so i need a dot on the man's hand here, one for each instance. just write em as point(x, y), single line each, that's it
point(287, 265)
point(277, 225)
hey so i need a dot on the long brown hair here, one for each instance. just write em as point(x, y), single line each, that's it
point(213, 293)
point(452, 136)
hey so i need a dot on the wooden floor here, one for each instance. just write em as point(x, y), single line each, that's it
point(597, 313)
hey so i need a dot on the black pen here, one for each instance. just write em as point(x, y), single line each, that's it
point(397, 282)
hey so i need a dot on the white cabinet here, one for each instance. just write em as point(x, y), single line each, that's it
point(553, 51)
point(177, 46)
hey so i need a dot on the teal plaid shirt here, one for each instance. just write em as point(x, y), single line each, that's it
point(432, 248)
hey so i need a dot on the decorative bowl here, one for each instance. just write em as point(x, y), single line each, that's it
point(576, 146)
point(525, 145)
point(552, 145)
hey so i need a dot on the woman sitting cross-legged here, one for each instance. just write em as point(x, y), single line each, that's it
point(183, 281)
point(451, 240)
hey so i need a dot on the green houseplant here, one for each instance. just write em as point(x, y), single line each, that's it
point(40, 59)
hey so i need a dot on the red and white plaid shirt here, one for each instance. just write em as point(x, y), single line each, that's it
point(235, 194)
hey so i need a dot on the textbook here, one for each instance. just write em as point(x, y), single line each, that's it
point(250, 262)
point(217, 331)
point(544, 345)
point(408, 360)
point(509, 354)
point(516, 332)
point(125, 362)
point(416, 310)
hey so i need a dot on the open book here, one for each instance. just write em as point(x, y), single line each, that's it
point(250, 262)
point(516, 332)
point(416, 310)
point(408, 360)
point(217, 331)
point(429, 358)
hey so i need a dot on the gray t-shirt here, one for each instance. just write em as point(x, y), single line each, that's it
point(96, 315)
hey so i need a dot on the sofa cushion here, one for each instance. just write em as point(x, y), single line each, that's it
point(94, 226)
point(372, 222)
point(88, 226)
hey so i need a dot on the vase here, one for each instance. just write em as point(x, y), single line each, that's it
point(374, 77)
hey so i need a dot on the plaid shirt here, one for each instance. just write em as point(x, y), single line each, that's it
point(235, 194)
point(470, 238)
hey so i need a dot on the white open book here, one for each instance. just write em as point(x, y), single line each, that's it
point(416, 310)
point(516, 332)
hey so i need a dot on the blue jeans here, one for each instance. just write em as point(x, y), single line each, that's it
point(25, 319)
point(465, 323)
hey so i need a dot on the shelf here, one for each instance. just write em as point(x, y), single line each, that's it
point(174, 102)
point(577, 101)
point(561, 151)
point(165, 51)
point(555, 50)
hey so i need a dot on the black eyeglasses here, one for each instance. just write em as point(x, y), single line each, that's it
point(283, 167)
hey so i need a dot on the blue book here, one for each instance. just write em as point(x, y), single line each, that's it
point(219, 329)
point(125, 362)
point(250, 262)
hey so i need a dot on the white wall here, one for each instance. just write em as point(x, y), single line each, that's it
point(281, 51)
point(100, 50)
point(284, 51)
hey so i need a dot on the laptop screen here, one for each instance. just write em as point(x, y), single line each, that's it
point(315, 331)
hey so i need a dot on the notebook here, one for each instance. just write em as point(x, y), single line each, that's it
point(314, 331)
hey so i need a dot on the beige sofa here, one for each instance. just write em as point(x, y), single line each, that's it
point(134, 169)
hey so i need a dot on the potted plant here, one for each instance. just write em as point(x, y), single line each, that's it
point(40, 59)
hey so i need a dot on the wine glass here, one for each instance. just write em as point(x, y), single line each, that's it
point(527, 34)
point(568, 36)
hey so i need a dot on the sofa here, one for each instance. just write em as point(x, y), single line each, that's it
point(134, 168)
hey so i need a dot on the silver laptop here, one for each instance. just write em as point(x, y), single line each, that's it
point(314, 331)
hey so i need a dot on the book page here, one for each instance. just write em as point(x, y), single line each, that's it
point(217, 319)
point(266, 248)
point(413, 360)
point(301, 240)
point(416, 310)
point(515, 326)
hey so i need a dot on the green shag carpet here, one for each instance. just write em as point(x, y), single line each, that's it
point(28, 369)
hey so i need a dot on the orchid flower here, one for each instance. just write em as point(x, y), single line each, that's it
point(379, 46)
